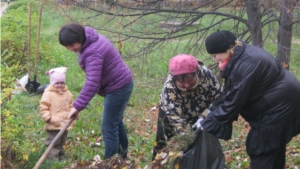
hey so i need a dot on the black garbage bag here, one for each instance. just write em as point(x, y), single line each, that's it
point(205, 152)
point(41, 89)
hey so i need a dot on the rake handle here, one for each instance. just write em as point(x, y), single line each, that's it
point(42, 158)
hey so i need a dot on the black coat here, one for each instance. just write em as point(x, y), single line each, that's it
point(265, 94)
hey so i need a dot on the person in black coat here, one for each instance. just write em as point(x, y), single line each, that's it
point(258, 88)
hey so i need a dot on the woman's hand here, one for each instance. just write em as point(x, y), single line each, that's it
point(73, 112)
point(197, 126)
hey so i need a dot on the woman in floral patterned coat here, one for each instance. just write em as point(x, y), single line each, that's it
point(190, 88)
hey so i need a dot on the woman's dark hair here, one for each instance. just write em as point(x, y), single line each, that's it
point(71, 33)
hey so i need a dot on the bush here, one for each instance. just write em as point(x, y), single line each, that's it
point(14, 54)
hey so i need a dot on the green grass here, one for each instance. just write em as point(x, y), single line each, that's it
point(149, 73)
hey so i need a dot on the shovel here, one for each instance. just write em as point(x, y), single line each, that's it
point(29, 86)
point(42, 158)
point(34, 83)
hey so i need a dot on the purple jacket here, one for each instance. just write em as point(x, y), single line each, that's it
point(104, 68)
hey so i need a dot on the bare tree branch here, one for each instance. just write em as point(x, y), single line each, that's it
point(153, 24)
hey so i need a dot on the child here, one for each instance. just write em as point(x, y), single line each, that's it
point(55, 106)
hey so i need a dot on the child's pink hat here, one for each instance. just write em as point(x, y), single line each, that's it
point(183, 64)
point(57, 75)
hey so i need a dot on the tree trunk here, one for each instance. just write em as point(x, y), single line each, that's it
point(254, 22)
point(285, 31)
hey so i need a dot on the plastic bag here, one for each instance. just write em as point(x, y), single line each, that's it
point(41, 89)
point(205, 152)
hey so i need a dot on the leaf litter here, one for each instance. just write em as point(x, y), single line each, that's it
point(234, 149)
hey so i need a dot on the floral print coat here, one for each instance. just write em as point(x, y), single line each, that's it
point(185, 107)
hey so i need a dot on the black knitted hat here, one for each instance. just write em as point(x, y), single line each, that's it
point(219, 42)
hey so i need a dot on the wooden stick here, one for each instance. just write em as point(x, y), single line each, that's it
point(38, 40)
point(42, 158)
point(29, 40)
point(23, 88)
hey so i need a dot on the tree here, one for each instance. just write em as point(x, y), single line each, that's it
point(285, 31)
point(253, 21)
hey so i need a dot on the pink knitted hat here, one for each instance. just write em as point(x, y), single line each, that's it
point(57, 75)
point(183, 64)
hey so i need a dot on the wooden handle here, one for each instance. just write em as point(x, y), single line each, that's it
point(38, 40)
point(29, 34)
point(42, 158)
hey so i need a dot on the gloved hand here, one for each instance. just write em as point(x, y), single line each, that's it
point(208, 112)
point(197, 126)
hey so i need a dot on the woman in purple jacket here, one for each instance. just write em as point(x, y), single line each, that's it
point(106, 75)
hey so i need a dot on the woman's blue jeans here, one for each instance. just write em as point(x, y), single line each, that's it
point(113, 129)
